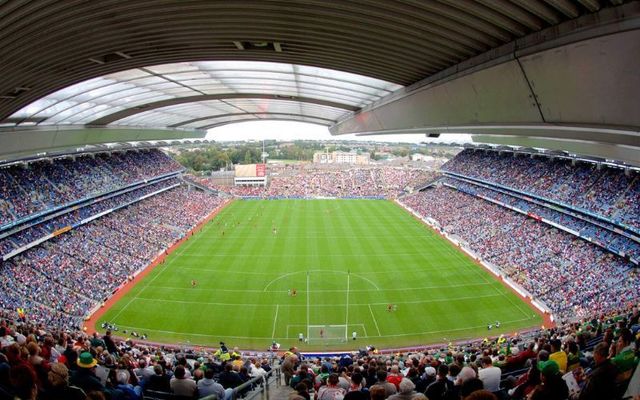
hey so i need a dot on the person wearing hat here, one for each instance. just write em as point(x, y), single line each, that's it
point(552, 386)
point(85, 376)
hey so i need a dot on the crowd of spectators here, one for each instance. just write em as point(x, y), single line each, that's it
point(594, 358)
point(607, 191)
point(571, 276)
point(54, 285)
point(33, 230)
point(43, 185)
point(58, 282)
point(603, 232)
point(385, 181)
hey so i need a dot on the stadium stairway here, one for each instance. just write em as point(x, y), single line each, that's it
point(279, 391)
point(199, 186)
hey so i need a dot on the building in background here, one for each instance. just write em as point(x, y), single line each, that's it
point(341, 157)
point(421, 157)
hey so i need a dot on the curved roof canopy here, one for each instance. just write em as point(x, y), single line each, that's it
point(201, 95)
point(510, 70)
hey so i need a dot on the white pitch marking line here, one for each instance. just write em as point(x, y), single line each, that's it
point(123, 308)
point(285, 338)
point(275, 319)
point(374, 320)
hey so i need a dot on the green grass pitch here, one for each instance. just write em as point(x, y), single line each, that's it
point(347, 260)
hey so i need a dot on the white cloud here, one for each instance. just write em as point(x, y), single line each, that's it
point(284, 130)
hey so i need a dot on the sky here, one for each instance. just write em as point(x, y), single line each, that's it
point(284, 130)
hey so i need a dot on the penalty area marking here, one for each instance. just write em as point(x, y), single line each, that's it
point(275, 320)
point(375, 321)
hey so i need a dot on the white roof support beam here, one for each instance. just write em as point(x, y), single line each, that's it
point(584, 89)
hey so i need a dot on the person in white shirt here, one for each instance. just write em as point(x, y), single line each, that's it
point(490, 375)
point(255, 369)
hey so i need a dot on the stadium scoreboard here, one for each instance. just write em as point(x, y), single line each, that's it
point(251, 175)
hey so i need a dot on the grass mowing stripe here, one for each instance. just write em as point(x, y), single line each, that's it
point(245, 270)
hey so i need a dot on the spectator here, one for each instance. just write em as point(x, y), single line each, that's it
point(489, 375)
point(559, 356)
point(405, 390)
point(229, 379)
point(442, 388)
point(331, 390)
point(160, 381)
point(58, 385)
point(552, 386)
point(600, 384)
point(85, 377)
point(389, 388)
point(208, 386)
point(181, 385)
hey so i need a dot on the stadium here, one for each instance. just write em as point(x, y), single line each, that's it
point(509, 269)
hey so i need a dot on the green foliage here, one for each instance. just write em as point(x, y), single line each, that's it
point(400, 151)
point(214, 158)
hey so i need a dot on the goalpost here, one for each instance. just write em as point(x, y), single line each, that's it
point(330, 332)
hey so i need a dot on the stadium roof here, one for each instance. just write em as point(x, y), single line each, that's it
point(202, 95)
point(541, 73)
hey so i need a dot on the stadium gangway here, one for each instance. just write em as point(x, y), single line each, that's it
point(199, 186)
point(260, 386)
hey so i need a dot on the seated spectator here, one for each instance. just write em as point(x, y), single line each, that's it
point(518, 360)
point(600, 383)
point(85, 377)
point(481, 395)
point(129, 391)
point(208, 386)
point(559, 356)
point(489, 374)
point(377, 392)
point(394, 376)
point(625, 359)
point(181, 385)
point(57, 386)
point(229, 379)
point(471, 386)
point(552, 386)
point(331, 390)
point(405, 390)
point(301, 392)
point(357, 391)
point(389, 388)
point(160, 381)
point(442, 388)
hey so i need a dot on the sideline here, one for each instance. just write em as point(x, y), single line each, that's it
point(546, 318)
point(91, 322)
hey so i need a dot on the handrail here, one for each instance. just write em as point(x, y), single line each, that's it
point(264, 383)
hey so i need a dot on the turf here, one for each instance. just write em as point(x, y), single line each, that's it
point(369, 253)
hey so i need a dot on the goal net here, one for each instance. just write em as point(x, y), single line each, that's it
point(327, 333)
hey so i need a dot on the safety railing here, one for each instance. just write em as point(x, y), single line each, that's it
point(258, 388)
